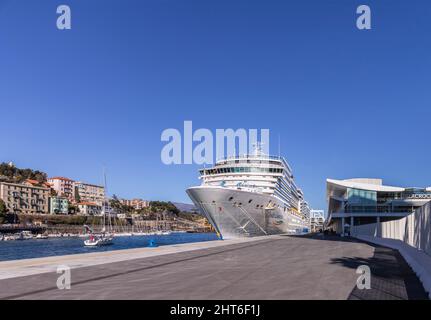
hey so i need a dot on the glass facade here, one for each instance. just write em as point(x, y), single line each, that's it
point(362, 197)
point(240, 169)
point(363, 201)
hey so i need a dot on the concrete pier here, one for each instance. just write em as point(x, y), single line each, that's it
point(276, 267)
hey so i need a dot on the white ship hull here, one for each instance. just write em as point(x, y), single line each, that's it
point(242, 213)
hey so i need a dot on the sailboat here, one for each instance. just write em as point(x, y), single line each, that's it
point(105, 237)
point(99, 239)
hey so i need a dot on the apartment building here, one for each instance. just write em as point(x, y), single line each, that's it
point(87, 192)
point(317, 220)
point(63, 186)
point(89, 209)
point(137, 204)
point(303, 206)
point(58, 205)
point(30, 197)
point(305, 209)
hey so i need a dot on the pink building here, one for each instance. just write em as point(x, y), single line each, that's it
point(63, 186)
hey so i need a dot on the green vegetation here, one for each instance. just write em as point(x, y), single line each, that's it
point(162, 206)
point(10, 173)
point(3, 211)
point(53, 220)
point(190, 216)
point(154, 208)
point(73, 209)
point(159, 210)
point(77, 196)
point(3, 208)
point(116, 204)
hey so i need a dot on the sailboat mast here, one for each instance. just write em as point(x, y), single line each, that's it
point(105, 202)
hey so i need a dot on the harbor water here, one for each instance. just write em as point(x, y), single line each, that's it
point(37, 248)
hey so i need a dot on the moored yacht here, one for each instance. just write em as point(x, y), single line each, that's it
point(24, 235)
point(250, 195)
point(106, 237)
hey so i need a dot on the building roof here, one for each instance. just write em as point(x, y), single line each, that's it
point(31, 181)
point(353, 183)
point(60, 178)
point(89, 184)
point(88, 204)
point(36, 183)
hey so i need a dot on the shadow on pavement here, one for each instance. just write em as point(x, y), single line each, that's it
point(391, 276)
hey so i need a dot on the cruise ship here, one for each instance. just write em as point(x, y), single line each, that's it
point(250, 195)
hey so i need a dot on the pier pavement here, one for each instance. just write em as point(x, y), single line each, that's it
point(275, 267)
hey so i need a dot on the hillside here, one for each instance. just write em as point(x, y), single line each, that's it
point(10, 173)
point(185, 207)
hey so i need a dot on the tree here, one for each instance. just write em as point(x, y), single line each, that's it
point(77, 196)
point(72, 209)
point(3, 211)
point(118, 206)
point(160, 206)
point(14, 174)
point(115, 203)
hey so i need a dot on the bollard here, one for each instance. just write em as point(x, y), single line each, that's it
point(152, 243)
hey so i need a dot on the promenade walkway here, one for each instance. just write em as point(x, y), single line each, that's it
point(277, 267)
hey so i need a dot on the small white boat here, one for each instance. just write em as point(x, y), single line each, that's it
point(96, 240)
point(24, 235)
point(163, 233)
point(9, 237)
point(42, 236)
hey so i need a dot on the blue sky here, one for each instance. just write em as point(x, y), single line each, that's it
point(346, 103)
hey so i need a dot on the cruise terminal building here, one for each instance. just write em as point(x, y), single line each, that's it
point(360, 201)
